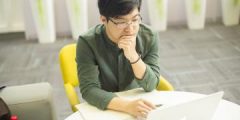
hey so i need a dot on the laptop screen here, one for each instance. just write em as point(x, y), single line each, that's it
point(199, 109)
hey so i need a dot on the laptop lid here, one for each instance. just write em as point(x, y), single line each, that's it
point(198, 109)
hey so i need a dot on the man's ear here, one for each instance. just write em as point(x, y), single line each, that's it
point(103, 19)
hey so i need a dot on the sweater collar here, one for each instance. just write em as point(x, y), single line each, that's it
point(108, 40)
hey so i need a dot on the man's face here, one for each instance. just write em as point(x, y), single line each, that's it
point(127, 25)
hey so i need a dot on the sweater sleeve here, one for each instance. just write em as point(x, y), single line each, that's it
point(88, 73)
point(150, 79)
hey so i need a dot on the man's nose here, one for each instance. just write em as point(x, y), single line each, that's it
point(129, 28)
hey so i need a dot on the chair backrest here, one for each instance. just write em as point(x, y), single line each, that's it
point(69, 72)
point(68, 67)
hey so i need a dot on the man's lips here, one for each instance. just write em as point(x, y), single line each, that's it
point(128, 35)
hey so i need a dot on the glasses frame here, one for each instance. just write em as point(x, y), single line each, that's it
point(126, 24)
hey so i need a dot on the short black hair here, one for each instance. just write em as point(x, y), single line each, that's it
point(116, 8)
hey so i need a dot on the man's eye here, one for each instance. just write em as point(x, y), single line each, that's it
point(121, 23)
point(135, 20)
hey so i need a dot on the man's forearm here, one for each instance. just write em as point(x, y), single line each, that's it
point(145, 76)
point(139, 67)
point(118, 104)
point(138, 107)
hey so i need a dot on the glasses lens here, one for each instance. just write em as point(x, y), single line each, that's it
point(135, 22)
point(122, 25)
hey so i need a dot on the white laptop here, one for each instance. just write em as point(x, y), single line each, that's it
point(198, 109)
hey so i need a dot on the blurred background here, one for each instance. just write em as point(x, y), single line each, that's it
point(199, 42)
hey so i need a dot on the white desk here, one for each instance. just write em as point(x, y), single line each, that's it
point(225, 111)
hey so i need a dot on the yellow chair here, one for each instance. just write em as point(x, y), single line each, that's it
point(68, 66)
point(69, 73)
point(164, 85)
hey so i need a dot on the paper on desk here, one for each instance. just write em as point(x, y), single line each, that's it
point(89, 112)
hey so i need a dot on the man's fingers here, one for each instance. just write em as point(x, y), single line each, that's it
point(144, 109)
point(127, 40)
point(127, 37)
point(142, 116)
point(145, 106)
point(125, 43)
point(123, 46)
point(149, 104)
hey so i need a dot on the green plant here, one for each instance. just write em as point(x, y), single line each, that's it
point(76, 10)
point(41, 13)
point(196, 6)
point(236, 2)
point(160, 7)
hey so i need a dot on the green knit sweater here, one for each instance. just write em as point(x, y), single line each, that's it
point(103, 69)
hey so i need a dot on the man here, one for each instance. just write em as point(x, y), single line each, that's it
point(118, 55)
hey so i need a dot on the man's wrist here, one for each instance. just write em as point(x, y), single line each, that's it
point(118, 104)
point(134, 57)
point(139, 57)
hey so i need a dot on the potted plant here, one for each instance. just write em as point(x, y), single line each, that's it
point(77, 12)
point(43, 16)
point(158, 14)
point(230, 12)
point(195, 10)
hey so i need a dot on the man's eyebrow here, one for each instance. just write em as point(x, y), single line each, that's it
point(119, 17)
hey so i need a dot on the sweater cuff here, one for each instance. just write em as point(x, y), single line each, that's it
point(149, 81)
point(144, 81)
point(106, 101)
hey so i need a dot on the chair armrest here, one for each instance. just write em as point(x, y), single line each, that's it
point(72, 96)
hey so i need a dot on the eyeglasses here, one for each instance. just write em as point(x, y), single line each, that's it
point(121, 25)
